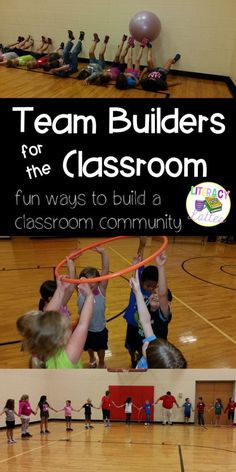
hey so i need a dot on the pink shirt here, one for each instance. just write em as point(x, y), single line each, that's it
point(67, 410)
point(24, 408)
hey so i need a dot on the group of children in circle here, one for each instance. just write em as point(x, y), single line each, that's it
point(168, 400)
point(124, 71)
point(54, 342)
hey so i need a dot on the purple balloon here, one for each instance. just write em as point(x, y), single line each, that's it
point(145, 24)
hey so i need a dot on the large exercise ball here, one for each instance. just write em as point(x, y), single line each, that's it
point(145, 24)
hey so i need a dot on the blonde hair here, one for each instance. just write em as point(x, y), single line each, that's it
point(24, 398)
point(43, 332)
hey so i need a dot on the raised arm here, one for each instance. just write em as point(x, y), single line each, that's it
point(141, 247)
point(105, 267)
point(77, 340)
point(144, 315)
point(58, 297)
point(162, 284)
point(72, 275)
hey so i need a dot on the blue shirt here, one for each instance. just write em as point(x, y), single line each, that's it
point(131, 312)
point(142, 363)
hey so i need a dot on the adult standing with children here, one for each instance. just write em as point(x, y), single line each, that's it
point(168, 402)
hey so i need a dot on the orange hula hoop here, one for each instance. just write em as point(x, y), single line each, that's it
point(90, 280)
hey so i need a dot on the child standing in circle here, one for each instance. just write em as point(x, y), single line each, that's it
point(24, 412)
point(128, 405)
point(68, 414)
point(218, 408)
point(44, 406)
point(97, 332)
point(230, 408)
point(88, 412)
point(200, 412)
point(9, 410)
point(147, 410)
point(106, 408)
point(187, 406)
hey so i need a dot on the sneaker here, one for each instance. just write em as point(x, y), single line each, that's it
point(86, 426)
point(144, 42)
point(131, 42)
point(62, 45)
point(42, 432)
point(106, 39)
point(46, 431)
point(91, 427)
point(28, 435)
point(176, 58)
point(81, 35)
point(70, 34)
point(124, 37)
point(93, 364)
point(70, 429)
point(96, 38)
point(24, 436)
point(149, 45)
point(13, 441)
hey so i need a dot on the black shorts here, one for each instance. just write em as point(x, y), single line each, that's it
point(44, 414)
point(106, 414)
point(87, 416)
point(230, 415)
point(133, 341)
point(68, 418)
point(10, 424)
point(97, 341)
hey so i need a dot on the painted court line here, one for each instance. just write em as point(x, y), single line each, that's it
point(51, 443)
point(205, 319)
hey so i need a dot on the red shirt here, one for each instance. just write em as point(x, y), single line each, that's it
point(168, 401)
point(231, 406)
point(200, 407)
point(106, 403)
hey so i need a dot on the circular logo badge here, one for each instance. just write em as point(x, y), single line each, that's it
point(208, 204)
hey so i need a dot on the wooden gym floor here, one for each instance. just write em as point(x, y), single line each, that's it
point(176, 448)
point(200, 274)
point(20, 83)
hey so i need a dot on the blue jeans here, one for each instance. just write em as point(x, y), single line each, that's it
point(71, 57)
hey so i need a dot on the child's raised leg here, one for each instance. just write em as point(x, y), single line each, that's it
point(103, 48)
point(130, 59)
point(140, 53)
point(120, 48)
point(93, 47)
point(150, 62)
point(172, 61)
